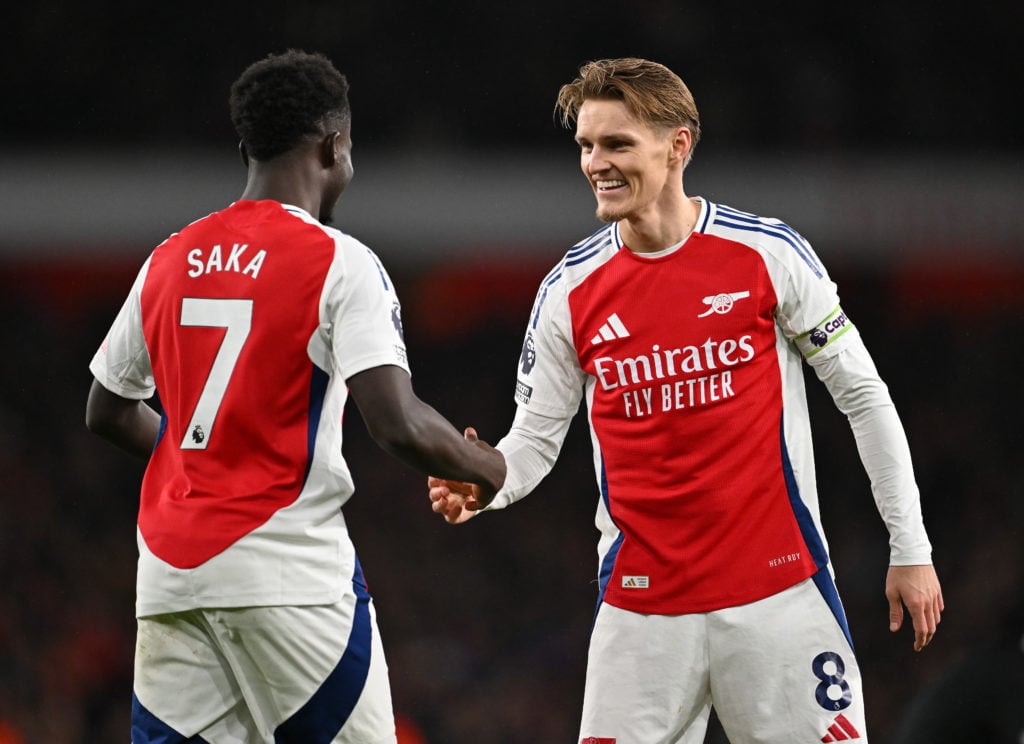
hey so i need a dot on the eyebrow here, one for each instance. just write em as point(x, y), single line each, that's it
point(610, 137)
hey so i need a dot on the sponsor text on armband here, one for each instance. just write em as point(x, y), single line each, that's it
point(824, 333)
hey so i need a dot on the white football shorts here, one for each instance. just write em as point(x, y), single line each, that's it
point(778, 670)
point(263, 675)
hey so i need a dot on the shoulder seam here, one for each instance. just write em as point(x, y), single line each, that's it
point(734, 219)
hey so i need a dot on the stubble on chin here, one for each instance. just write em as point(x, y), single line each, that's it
point(607, 215)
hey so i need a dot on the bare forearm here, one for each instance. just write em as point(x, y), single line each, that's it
point(426, 441)
point(406, 427)
point(130, 425)
point(137, 431)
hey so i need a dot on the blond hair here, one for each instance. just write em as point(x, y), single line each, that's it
point(651, 91)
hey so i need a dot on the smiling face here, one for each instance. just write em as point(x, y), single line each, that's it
point(631, 166)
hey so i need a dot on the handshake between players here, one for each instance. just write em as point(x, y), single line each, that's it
point(457, 501)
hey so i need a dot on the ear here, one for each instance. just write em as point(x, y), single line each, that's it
point(330, 148)
point(244, 155)
point(679, 145)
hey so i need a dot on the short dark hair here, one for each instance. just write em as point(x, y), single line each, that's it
point(283, 98)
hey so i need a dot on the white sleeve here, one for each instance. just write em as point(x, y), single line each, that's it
point(122, 363)
point(362, 313)
point(859, 392)
point(530, 449)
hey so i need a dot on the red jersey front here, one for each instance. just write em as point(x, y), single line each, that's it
point(687, 365)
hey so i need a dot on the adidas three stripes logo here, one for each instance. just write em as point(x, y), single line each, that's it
point(612, 329)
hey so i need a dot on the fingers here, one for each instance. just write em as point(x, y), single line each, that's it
point(445, 487)
point(470, 434)
point(438, 490)
point(452, 513)
point(453, 500)
point(924, 631)
point(925, 615)
point(895, 614)
point(916, 587)
point(926, 621)
point(450, 508)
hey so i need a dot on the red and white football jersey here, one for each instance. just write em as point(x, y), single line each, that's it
point(247, 324)
point(690, 362)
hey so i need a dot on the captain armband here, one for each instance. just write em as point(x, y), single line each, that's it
point(824, 333)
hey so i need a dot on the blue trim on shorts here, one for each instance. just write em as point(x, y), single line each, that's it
point(324, 714)
point(822, 577)
point(148, 729)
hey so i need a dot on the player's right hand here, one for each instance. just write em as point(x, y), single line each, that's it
point(454, 500)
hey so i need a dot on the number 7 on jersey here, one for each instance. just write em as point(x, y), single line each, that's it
point(236, 317)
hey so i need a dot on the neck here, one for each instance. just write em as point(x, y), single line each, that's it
point(661, 229)
point(282, 182)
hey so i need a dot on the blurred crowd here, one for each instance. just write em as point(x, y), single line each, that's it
point(486, 624)
point(912, 75)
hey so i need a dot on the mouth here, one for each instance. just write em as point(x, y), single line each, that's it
point(606, 186)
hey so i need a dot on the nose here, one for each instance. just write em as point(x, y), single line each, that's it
point(595, 161)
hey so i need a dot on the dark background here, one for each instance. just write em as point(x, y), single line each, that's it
point(486, 625)
point(789, 75)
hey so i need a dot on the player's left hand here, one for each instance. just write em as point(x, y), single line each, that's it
point(918, 588)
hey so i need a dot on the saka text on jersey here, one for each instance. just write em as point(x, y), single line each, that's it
point(203, 262)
